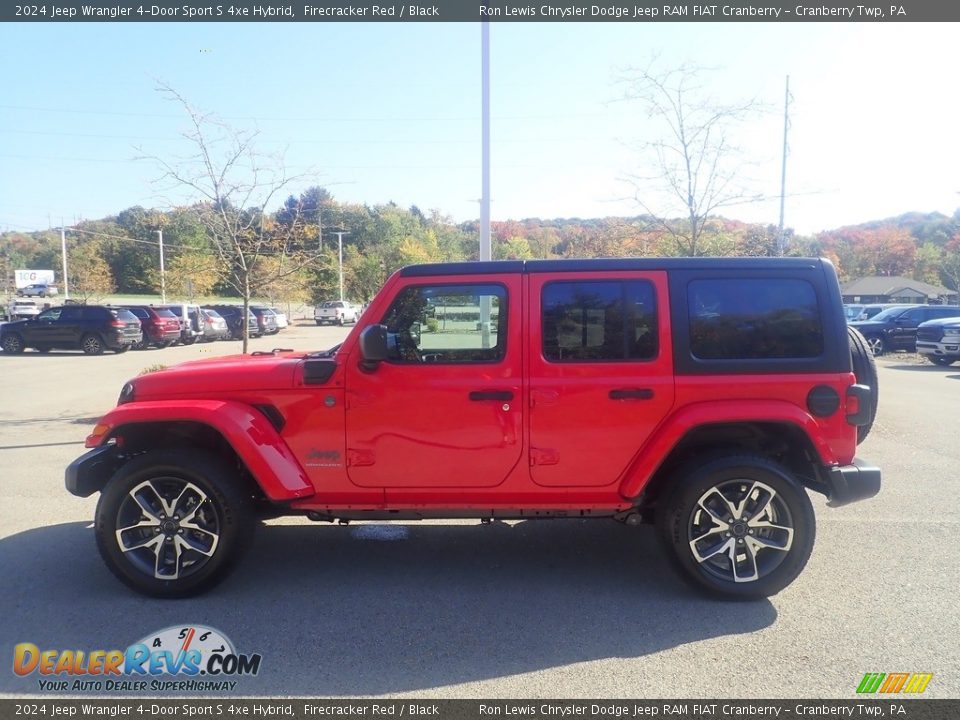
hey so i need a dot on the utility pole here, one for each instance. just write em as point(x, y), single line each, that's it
point(485, 245)
point(781, 241)
point(340, 235)
point(163, 272)
point(63, 255)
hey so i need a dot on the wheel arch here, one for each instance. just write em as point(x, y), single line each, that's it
point(237, 432)
point(783, 442)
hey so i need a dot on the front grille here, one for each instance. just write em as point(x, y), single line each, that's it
point(931, 334)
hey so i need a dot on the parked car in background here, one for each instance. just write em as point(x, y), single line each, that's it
point(23, 310)
point(233, 315)
point(91, 328)
point(38, 290)
point(160, 326)
point(896, 328)
point(336, 312)
point(266, 320)
point(281, 318)
point(939, 340)
point(191, 325)
point(855, 313)
point(214, 326)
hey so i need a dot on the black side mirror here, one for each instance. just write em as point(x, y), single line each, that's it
point(373, 346)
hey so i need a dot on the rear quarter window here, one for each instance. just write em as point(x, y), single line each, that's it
point(753, 319)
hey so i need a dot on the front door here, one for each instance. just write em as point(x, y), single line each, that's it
point(601, 374)
point(445, 410)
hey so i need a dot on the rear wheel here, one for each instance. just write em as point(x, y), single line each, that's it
point(738, 526)
point(865, 370)
point(877, 344)
point(121, 349)
point(91, 344)
point(189, 341)
point(173, 523)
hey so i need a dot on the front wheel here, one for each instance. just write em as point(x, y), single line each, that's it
point(941, 361)
point(172, 523)
point(13, 344)
point(738, 526)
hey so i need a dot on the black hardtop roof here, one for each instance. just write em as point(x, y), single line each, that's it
point(600, 264)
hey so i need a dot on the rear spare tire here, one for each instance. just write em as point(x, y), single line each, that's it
point(865, 370)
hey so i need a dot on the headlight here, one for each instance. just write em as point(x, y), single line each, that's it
point(126, 394)
point(952, 332)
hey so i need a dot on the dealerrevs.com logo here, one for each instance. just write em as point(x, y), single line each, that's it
point(201, 658)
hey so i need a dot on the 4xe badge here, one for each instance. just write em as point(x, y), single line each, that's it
point(190, 652)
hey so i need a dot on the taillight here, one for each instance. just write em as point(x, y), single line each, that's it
point(117, 323)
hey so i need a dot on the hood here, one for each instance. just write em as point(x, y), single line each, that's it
point(216, 376)
point(942, 322)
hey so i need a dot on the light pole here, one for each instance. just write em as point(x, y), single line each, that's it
point(340, 234)
point(63, 251)
point(163, 272)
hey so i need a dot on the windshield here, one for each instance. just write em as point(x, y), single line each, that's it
point(888, 314)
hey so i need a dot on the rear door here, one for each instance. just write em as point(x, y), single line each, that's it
point(600, 370)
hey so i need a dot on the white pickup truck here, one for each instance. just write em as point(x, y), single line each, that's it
point(336, 312)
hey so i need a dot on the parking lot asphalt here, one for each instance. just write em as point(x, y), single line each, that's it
point(580, 609)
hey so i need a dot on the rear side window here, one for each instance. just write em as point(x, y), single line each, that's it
point(758, 318)
point(164, 313)
point(600, 321)
point(140, 313)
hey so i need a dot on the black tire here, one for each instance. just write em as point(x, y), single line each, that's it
point(91, 344)
point(189, 341)
point(193, 559)
point(876, 344)
point(12, 343)
point(722, 483)
point(941, 361)
point(865, 370)
point(142, 345)
point(319, 323)
point(43, 349)
point(120, 349)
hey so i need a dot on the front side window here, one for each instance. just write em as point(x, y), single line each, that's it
point(750, 319)
point(447, 324)
point(51, 315)
point(604, 321)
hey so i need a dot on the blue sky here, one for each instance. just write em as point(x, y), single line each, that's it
point(391, 111)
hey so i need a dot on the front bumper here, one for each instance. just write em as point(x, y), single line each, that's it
point(850, 483)
point(939, 349)
point(90, 472)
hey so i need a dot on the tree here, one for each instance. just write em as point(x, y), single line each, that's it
point(233, 186)
point(694, 169)
point(89, 273)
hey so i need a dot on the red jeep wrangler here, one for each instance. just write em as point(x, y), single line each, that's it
point(705, 395)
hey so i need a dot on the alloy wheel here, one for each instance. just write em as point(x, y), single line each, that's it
point(740, 531)
point(168, 528)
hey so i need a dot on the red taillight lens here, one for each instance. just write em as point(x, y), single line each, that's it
point(117, 323)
